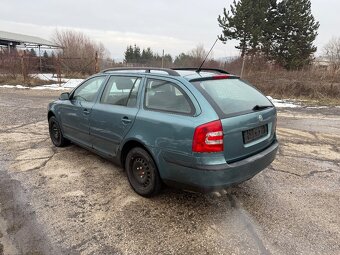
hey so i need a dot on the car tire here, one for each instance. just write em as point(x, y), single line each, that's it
point(142, 173)
point(56, 134)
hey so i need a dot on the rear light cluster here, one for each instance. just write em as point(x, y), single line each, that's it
point(208, 137)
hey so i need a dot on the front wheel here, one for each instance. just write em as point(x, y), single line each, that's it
point(55, 133)
point(142, 172)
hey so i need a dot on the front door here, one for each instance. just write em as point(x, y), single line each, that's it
point(76, 111)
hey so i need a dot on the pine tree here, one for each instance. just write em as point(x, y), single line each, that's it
point(147, 55)
point(33, 53)
point(296, 34)
point(244, 22)
point(45, 55)
point(129, 54)
point(270, 29)
point(283, 31)
point(136, 54)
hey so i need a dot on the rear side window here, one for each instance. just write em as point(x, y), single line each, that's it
point(166, 96)
point(121, 90)
point(232, 96)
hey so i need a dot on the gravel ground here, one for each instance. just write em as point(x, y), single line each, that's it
point(70, 201)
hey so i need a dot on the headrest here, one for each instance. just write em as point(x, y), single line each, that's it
point(123, 82)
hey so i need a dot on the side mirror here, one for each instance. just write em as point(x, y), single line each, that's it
point(65, 96)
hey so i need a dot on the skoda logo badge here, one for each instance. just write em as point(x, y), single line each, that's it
point(260, 118)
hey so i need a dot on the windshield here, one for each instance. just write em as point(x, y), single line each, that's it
point(232, 96)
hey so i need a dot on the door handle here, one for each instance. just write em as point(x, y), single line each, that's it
point(86, 111)
point(126, 120)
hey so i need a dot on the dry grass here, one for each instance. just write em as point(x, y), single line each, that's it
point(75, 75)
point(316, 85)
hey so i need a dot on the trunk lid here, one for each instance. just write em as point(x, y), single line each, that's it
point(247, 134)
point(248, 118)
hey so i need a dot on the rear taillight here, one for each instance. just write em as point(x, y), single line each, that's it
point(208, 137)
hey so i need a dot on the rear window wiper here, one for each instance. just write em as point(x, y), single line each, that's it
point(261, 107)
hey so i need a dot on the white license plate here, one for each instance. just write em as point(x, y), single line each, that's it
point(255, 133)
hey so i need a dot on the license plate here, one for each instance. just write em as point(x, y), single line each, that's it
point(255, 133)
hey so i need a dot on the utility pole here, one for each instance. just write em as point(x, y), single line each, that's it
point(59, 70)
point(163, 59)
point(243, 63)
point(96, 67)
point(40, 67)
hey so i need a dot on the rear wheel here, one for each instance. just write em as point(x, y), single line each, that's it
point(55, 133)
point(142, 172)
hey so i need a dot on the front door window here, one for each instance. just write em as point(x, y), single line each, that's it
point(89, 89)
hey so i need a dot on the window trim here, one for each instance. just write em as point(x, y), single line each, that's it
point(191, 105)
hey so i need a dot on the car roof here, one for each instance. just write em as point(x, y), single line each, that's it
point(187, 73)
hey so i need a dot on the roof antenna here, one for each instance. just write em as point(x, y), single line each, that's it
point(200, 68)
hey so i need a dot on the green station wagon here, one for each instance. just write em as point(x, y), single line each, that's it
point(199, 130)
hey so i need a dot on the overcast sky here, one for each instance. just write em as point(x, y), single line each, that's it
point(173, 25)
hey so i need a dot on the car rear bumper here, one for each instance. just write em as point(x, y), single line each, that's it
point(208, 178)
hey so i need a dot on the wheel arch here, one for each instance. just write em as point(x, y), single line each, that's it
point(50, 114)
point(128, 145)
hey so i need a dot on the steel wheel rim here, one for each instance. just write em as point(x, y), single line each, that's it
point(55, 132)
point(141, 171)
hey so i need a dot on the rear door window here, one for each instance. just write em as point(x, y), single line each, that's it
point(232, 96)
point(121, 90)
point(162, 95)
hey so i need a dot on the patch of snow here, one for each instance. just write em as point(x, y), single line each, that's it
point(317, 107)
point(50, 87)
point(270, 98)
point(72, 83)
point(285, 103)
point(47, 77)
point(14, 86)
point(66, 85)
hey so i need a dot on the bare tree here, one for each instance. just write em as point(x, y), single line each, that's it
point(199, 52)
point(332, 52)
point(195, 57)
point(79, 51)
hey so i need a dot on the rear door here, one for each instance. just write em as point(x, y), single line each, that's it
point(248, 117)
point(114, 114)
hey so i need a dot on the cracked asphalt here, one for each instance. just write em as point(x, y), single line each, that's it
point(70, 201)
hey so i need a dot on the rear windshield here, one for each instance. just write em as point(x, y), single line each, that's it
point(232, 96)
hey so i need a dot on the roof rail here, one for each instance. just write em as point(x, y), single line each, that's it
point(146, 69)
point(202, 69)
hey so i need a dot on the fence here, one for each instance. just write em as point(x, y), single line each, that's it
point(15, 64)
